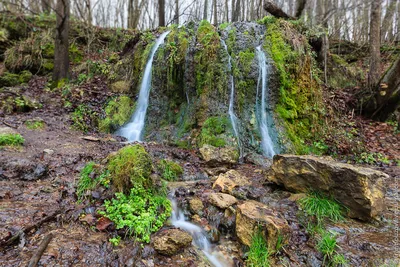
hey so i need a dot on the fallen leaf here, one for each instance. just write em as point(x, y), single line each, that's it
point(103, 223)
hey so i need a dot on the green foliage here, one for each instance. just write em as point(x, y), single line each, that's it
point(141, 213)
point(246, 59)
point(11, 140)
point(35, 124)
point(118, 111)
point(81, 118)
point(371, 158)
point(328, 246)
point(170, 170)
point(131, 166)
point(299, 104)
point(91, 177)
point(212, 128)
point(315, 204)
point(259, 254)
point(12, 79)
point(115, 241)
point(224, 25)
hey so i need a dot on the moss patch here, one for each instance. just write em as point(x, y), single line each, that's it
point(35, 124)
point(11, 140)
point(118, 111)
point(170, 170)
point(131, 166)
point(212, 130)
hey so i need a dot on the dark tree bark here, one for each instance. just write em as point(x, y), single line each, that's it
point(387, 24)
point(46, 6)
point(275, 11)
point(215, 12)
point(176, 11)
point(375, 44)
point(386, 99)
point(301, 4)
point(205, 13)
point(236, 14)
point(161, 13)
point(61, 47)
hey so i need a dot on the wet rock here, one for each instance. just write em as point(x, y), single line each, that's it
point(222, 200)
point(213, 235)
point(358, 188)
point(147, 252)
point(171, 241)
point(196, 206)
point(219, 155)
point(253, 215)
point(216, 171)
point(23, 169)
point(229, 181)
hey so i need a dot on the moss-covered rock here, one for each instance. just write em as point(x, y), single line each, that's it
point(212, 132)
point(170, 170)
point(120, 87)
point(118, 111)
point(130, 166)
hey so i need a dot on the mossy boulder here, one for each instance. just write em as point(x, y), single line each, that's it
point(120, 87)
point(130, 166)
point(118, 111)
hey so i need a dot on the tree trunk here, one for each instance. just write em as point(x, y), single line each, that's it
point(46, 6)
point(387, 98)
point(274, 10)
point(215, 12)
point(205, 10)
point(61, 47)
point(236, 14)
point(387, 24)
point(374, 44)
point(161, 13)
point(301, 4)
point(177, 12)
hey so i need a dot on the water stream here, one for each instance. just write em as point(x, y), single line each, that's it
point(264, 69)
point(200, 239)
point(232, 99)
point(133, 130)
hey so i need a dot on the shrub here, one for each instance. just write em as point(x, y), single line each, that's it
point(11, 140)
point(141, 213)
point(131, 166)
point(170, 170)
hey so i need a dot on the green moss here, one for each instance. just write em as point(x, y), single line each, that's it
point(170, 170)
point(120, 87)
point(118, 111)
point(212, 130)
point(3, 35)
point(11, 140)
point(300, 104)
point(25, 76)
point(75, 54)
point(246, 59)
point(9, 79)
point(131, 166)
point(35, 124)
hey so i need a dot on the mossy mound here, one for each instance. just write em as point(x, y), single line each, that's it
point(130, 166)
point(8, 79)
point(118, 111)
point(170, 170)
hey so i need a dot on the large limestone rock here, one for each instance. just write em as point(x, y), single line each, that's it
point(196, 206)
point(252, 216)
point(222, 200)
point(360, 189)
point(219, 155)
point(171, 241)
point(230, 181)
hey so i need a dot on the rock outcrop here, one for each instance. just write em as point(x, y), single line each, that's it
point(219, 155)
point(358, 188)
point(171, 241)
point(221, 200)
point(229, 181)
point(253, 216)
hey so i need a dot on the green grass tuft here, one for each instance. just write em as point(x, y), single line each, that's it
point(170, 170)
point(328, 246)
point(90, 178)
point(11, 140)
point(35, 124)
point(259, 254)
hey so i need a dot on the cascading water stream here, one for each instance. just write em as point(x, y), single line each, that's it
point(232, 99)
point(266, 141)
point(133, 130)
point(199, 237)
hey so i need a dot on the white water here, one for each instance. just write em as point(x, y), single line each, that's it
point(133, 130)
point(264, 68)
point(199, 237)
point(232, 99)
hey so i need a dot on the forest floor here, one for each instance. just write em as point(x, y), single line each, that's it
point(38, 180)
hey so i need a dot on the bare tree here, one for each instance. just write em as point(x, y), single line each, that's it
point(46, 6)
point(215, 12)
point(387, 24)
point(374, 43)
point(161, 13)
point(61, 57)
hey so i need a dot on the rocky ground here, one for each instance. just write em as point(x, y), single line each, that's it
point(38, 181)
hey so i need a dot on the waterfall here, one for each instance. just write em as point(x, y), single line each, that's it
point(133, 130)
point(266, 141)
point(232, 99)
point(200, 239)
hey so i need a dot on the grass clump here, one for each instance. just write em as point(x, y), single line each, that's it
point(11, 140)
point(131, 166)
point(212, 128)
point(90, 177)
point(141, 212)
point(170, 170)
point(35, 124)
point(315, 204)
point(118, 112)
point(328, 246)
point(259, 254)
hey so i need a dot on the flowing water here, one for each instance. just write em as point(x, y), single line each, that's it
point(232, 99)
point(264, 69)
point(200, 239)
point(133, 130)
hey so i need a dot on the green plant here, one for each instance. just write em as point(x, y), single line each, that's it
point(259, 254)
point(371, 158)
point(141, 213)
point(339, 260)
point(315, 204)
point(35, 124)
point(115, 240)
point(82, 117)
point(11, 140)
point(131, 166)
point(90, 177)
point(118, 111)
point(170, 170)
point(212, 128)
point(328, 246)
